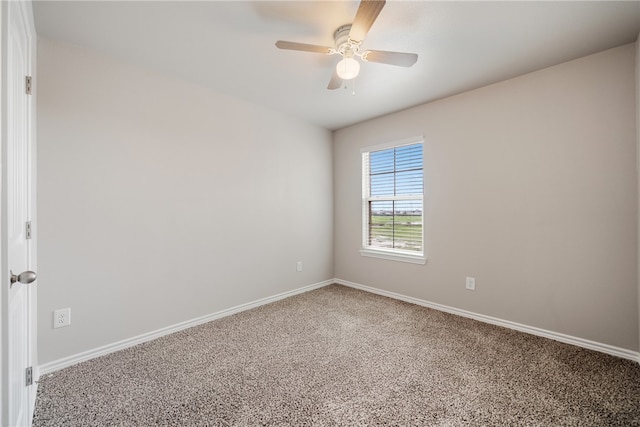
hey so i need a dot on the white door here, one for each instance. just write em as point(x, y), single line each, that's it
point(17, 213)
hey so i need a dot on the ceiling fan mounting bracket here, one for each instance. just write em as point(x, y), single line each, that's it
point(345, 46)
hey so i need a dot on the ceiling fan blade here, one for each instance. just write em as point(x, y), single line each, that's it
point(335, 82)
point(281, 44)
point(366, 15)
point(392, 58)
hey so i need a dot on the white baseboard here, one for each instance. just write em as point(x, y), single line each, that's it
point(568, 339)
point(65, 362)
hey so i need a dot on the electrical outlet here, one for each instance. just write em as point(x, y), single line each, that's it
point(299, 266)
point(62, 318)
point(471, 283)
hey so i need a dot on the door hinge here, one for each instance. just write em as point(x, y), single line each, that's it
point(28, 85)
point(28, 230)
point(29, 376)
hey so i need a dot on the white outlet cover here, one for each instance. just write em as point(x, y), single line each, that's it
point(471, 283)
point(62, 318)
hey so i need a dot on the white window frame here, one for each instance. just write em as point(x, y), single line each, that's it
point(389, 254)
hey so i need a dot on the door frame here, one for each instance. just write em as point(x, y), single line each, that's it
point(26, 10)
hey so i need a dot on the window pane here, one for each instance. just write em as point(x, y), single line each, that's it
point(382, 185)
point(409, 182)
point(409, 157)
point(408, 225)
point(381, 161)
point(381, 224)
point(396, 225)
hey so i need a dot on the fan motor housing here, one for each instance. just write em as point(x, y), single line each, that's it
point(341, 37)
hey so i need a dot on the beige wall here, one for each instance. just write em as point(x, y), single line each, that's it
point(530, 187)
point(160, 202)
point(149, 191)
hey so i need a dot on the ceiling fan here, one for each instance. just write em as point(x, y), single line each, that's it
point(348, 39)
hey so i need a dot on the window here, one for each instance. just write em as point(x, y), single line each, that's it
point(392, 193)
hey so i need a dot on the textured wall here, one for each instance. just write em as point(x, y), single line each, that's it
point(160, 202)
point(530, 187)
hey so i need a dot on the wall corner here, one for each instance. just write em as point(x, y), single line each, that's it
point(637, 115)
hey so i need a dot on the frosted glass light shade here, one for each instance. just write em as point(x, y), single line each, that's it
point(348, 68)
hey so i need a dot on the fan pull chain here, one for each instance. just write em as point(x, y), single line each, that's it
point(353, 86)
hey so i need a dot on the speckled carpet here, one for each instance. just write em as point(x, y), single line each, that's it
point(337, 356)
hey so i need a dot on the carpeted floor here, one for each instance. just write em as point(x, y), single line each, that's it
point(337, 356)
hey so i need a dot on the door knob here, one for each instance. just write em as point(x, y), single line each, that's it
point(24, 277)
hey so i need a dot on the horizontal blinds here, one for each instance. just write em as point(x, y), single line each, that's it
point(393, 189)
point(396, 171)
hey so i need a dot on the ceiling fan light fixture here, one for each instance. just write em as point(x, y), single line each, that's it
point(348, 68)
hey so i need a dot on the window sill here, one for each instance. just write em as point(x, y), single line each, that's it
point(394, 256)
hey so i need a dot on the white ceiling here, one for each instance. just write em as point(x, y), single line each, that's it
point(229, 46)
